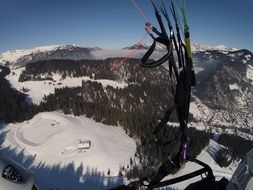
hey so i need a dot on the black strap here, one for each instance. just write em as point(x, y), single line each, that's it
point(163, 32)
point(204, 170)
point(144, 60)
point(178, 179)
point(164, 120)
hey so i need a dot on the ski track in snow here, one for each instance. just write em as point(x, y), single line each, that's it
point(53, 138)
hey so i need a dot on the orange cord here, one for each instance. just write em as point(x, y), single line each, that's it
point(129, 55)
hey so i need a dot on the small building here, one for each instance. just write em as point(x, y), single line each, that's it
point(84, 145)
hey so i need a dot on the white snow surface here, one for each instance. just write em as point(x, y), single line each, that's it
point(198, 69)
point(198, 47)
point(249, 73)
point(199, 110)
point(53, 138)
point(13, 55)
point(206, 156)
point(37, 89)
point(223, 48)
point(248, 57)
point(234, 87)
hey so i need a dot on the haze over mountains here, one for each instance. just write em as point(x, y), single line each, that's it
point(75, 52)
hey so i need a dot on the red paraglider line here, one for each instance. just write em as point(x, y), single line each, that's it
point(140, 11)
point(129, 55)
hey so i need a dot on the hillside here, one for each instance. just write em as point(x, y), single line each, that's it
point(53, 140)
point(133, 99)
point(222, 97)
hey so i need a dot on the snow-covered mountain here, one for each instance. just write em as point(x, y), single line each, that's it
point(225, 89)
point(144, 46)
point(223, 48)
point(225, 75)
point(222, 102)
point(223, 95)
point(18, 58)
point(140, 46)
point(195, 47)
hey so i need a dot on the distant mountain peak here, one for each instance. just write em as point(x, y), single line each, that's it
point(141, 46)
point(224, 48)
point(144, 46)
point(198, 47)
point(195, 47)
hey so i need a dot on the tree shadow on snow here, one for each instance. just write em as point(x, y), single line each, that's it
point(59, 177)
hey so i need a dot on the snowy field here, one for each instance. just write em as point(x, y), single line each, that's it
point(37, 89)
point(53, 140)
point(53, 146)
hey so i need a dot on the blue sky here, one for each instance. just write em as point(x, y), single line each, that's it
point(116, 23)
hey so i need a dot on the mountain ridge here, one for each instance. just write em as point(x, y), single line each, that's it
point(20, 57)
point(224, 80)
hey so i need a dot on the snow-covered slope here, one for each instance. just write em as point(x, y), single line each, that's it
point(19, 58)
point(40, 136)
point(13, 55)
point(207, 156)
point(141, 46)
point(145, 46)
point(222, 48)
point(195, 47)
point(55, 139)
point(36, 90)
point(249, 73)
point(233, 94)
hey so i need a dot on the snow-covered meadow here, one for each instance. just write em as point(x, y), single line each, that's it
point(53, 139)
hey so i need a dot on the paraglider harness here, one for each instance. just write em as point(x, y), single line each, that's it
point(181, 73)
point(185, 79)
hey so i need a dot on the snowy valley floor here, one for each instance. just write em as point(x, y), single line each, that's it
point(56, 147)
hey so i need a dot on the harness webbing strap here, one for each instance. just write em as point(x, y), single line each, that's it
point(205, 170)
